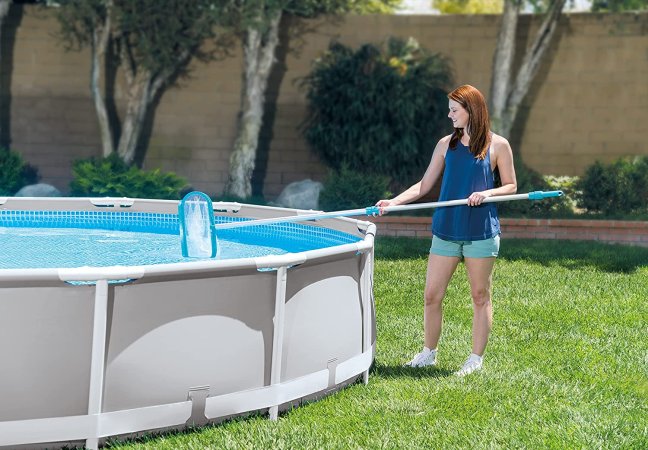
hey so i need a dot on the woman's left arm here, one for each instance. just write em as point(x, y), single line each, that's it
point(503, 156)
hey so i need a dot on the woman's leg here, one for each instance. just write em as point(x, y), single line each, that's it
point(439, 272)
point(480, 276)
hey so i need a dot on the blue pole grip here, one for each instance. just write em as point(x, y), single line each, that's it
point(372, 210)
point(539, 195)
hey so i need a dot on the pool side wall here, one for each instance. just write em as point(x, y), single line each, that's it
point(180, 347)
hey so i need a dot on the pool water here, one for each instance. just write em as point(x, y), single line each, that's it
point(68, 239)
point(31, 248)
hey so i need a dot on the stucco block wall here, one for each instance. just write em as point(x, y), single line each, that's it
point(589, 100)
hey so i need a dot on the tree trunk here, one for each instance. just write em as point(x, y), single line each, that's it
point(4, 10)
point(504, 113)
point(143, 87)
point(259, 50)
point(100, 37)
point(503, 61)
point(139, 98)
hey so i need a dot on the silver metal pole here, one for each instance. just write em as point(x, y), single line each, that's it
point(97, 365)
point(278, 334)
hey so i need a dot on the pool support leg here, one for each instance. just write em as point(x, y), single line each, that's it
point(277, 338)
point(367, 296)
point(98, 361)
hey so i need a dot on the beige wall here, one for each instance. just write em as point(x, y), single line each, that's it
point(589, 101)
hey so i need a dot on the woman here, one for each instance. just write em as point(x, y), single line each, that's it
point(467, 159)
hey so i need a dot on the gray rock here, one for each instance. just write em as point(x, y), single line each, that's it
point(300, 195)
point(38, 190)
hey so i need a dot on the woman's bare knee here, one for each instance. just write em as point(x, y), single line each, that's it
point(433, 297)
point(481, 296)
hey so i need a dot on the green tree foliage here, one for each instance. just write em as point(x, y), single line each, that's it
point(245, 14)
point(619, 5)
point(313, 8)
point(157, 34)
point(376, 6)
point(538, 6)
point(153, 41)
point(378, 110)
point(486, 6)
point(469, 6)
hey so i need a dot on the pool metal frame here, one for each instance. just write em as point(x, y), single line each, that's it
point(347, 278)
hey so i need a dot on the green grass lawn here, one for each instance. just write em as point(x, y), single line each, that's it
point(566, 366)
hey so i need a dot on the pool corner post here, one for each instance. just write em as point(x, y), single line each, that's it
point(278, 333)
point(97, 365)
point(367, 303)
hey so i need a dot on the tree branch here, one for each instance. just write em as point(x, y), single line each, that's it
point(533, 57)
point(503, 57)
point(99, 43)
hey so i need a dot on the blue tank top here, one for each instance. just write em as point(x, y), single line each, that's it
point(463, 175)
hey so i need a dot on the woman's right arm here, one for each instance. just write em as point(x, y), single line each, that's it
point(432, 174)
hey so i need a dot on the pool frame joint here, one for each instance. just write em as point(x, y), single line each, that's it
point(198, 397)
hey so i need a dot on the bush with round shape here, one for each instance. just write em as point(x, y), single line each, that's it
point(111, 177)
point(615, 189)
point(349, 189)
point(378, 110)
point(15, 173)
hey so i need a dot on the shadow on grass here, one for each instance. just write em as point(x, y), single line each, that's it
point(576, 254)
point(150, 437)
point(411, 372)
point(392, 248)
point(568, 254)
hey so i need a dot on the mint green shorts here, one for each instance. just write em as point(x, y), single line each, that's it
point(486, 248)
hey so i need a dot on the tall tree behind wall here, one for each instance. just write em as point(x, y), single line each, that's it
point(4, 10)
point(90, 23)
point(153, 40)
point(258, 24)
point(509, 89)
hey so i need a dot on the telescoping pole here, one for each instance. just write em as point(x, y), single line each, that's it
point(375, 210)
point(536, 195)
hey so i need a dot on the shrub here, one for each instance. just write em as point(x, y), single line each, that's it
point(101, 177)
point(348, 189)
point(617, 188)
point(15, 172)
point(378, 110)
point(569, 185)
point(528, 180)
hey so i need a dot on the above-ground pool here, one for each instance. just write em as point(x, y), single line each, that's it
point(106, 330)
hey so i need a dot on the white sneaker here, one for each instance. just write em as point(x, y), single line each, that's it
point(472, 364)
point(426, 358)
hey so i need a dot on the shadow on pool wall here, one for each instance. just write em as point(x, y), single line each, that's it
point(179, 344)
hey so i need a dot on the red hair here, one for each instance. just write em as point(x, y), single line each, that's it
point(478, 121)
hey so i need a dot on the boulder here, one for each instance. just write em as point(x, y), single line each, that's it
point(300, 195)
point(38, 190)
